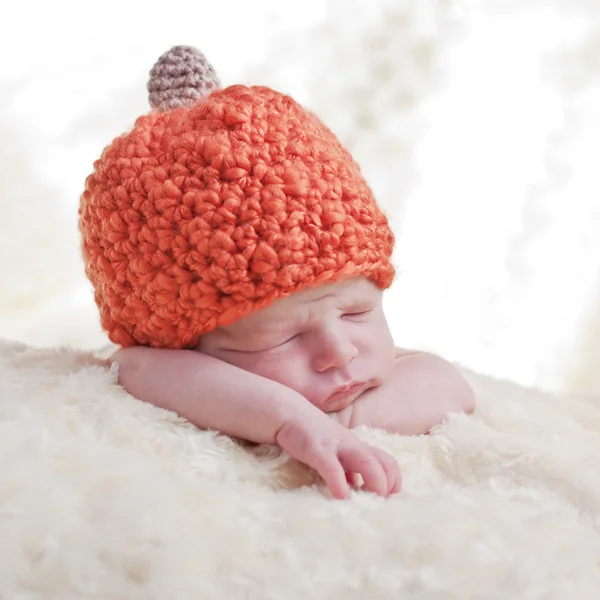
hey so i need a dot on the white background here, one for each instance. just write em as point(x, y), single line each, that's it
point(477, 123)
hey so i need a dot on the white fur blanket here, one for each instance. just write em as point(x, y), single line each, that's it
point(102, 496)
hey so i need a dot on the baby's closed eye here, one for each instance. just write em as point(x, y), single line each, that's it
point(256, 345)
point(357, 313)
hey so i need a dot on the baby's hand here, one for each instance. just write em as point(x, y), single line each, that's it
point(337, 454)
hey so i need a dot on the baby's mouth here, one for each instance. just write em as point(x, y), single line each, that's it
point(345, 394)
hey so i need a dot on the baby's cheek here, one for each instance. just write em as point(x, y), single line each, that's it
point(382, 360)
point(287, 373)
point(282, 369)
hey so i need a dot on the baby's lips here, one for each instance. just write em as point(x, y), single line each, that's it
point(343, 396)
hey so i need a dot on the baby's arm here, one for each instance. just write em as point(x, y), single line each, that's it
point(421, 392)
point(216, 395)
point(208, 392)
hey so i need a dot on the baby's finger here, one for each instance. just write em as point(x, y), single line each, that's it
point(329, 468)
point(354, 480)
point(360, 459)
point(392, 470)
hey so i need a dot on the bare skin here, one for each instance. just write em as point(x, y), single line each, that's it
point(301, 374)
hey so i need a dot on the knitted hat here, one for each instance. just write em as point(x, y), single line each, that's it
point(217, 203)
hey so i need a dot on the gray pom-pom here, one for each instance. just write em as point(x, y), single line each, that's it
point(181, 77)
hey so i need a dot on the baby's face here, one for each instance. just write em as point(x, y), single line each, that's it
point(329, 343)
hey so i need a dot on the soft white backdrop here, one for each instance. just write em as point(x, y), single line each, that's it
point(476, 122)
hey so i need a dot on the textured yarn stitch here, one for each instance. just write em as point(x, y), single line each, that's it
point(200, 215)
point(181, 77)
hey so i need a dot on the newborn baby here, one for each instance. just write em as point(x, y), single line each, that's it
point(239, 258)
point(273, 377)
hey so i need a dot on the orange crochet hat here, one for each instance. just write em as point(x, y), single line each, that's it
point(217, 203)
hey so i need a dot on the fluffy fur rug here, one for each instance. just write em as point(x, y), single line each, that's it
point(102, 496)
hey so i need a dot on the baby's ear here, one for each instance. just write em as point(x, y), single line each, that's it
point(181, 78)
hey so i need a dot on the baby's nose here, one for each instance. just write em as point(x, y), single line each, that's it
point(334, 352)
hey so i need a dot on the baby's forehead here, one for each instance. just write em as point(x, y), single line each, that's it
point(309, 303)
point(320, 295)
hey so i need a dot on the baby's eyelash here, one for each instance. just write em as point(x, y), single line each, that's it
point(269, 346)
point(356, 313)
point(290, 339)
